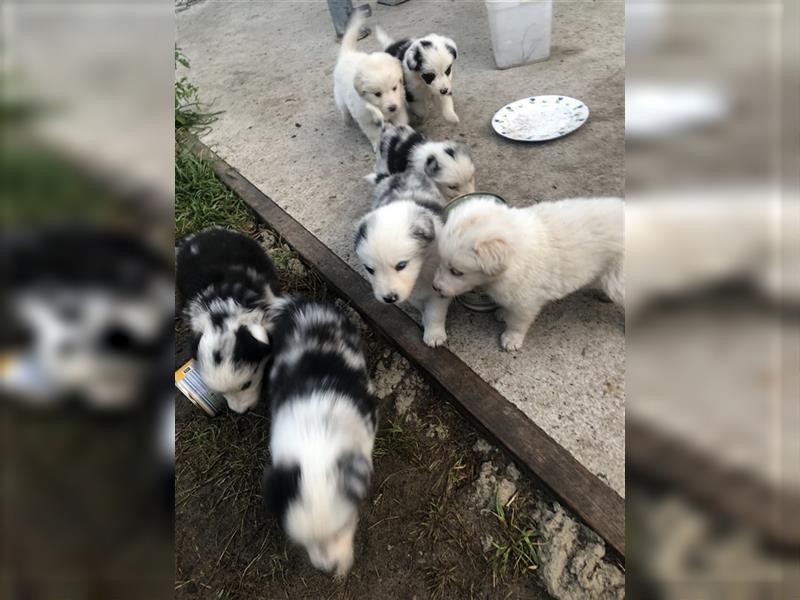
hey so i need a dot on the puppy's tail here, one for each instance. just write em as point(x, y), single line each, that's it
point(383, 38)
point(350, 37)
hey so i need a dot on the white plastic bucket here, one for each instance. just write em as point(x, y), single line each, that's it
point(520, 30)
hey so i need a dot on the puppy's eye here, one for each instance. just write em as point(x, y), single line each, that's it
point(455, 272)
point(246, 385)
point(370, 270)
point(401, 265)
point(394, 89)
point(378, 94)
point(452, 187)
point(450, 68)
point(428, 77)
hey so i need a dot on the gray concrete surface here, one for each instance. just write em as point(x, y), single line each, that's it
point(269, 66)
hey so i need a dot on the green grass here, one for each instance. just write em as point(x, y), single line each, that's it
point(201, 200)
point(515, 551)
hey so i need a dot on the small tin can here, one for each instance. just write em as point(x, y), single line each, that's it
point(475, 301)
point(191, 385)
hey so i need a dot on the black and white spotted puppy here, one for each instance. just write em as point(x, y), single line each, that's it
point(324, 418)
point(227, 282)
point(396, 243)
point(428, 71)
point(448, 164)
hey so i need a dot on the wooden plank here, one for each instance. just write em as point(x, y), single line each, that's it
point(656, 456)
point(596, 503)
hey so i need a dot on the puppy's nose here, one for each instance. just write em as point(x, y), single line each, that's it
point(392, 108)
point(436, 288)
point(390, 298)
point(443, 91)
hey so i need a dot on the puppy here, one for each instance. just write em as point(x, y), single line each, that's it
point(368, 88)
point(227, 282)
point(428, 67)
point(396, 244)
point(448, 164)
point(324, 418)
point(524, 258)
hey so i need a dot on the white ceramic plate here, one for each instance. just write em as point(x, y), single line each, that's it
point(540, 118)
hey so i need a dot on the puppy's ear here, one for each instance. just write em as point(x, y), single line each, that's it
point(354, 471)
point(414, 57)
point(361, 232)
point(247, 348)
point(358, 83)
point(424, 228)
point(432, 166)
point(492, 255)
point(451, 48)
point(279, 486)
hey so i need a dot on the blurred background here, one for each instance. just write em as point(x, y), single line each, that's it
point(86, 449)
point(713, 235)
point(713, 312)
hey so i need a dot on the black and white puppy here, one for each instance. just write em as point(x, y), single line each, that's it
point(448, 164)
point(428, 69)
point(324, 418)
point(396, 243)
point(227, 282)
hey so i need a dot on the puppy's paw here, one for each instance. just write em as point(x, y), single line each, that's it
point(511, 341)
point(434, 337)
point(451, 118)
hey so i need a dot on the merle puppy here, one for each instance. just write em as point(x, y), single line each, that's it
point(227, 282)
point(396, 244)
point(448, 164)
point(428, 71)
point(324, 419)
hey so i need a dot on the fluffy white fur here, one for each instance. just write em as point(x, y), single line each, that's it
point(526, 257)
point(397, 233)
point(314, 433)
point(368, 88)
point(428, 68)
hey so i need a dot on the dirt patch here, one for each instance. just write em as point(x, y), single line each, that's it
point(431, 528)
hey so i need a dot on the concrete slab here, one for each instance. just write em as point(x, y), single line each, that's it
point(269, 67)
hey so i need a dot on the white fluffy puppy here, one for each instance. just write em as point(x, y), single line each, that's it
point(526, 257)
point(368, 88)
point(396, 243)
point(428, 68)
point(448, 164)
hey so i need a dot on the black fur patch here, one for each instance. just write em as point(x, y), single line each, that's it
point(426, 43)
point(452, 51)
point(428, 77)
point(279, 487)
point(398, 48)
point(431, 166)
point(361, 233)
point(450, 152)
point(380, 177)
point(399, 152)
point(217, 357)
point(217, 319)
point(434, 208)
point(415, 61)
point(354, 475)
point(424, 229)
point(409, 97)
point(247, 349)
point(319, 367)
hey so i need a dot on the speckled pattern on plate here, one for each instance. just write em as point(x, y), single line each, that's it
point(540, 118)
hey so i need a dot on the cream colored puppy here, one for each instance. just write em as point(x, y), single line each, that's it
point(526, 257)
point(368, 88)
